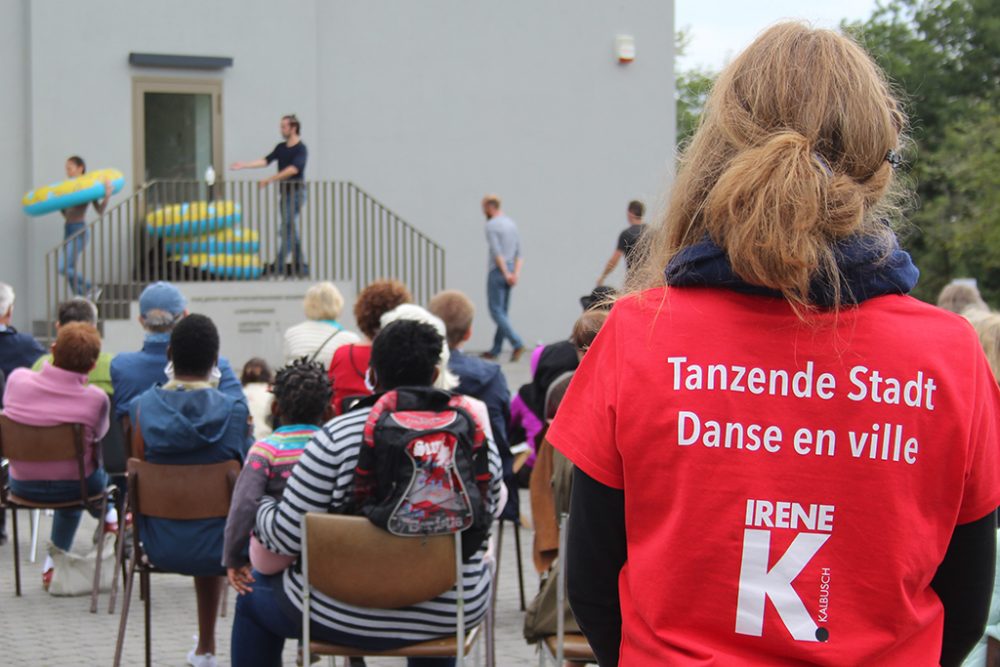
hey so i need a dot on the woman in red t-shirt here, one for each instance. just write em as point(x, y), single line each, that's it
point(782, 459)
point(350, 362)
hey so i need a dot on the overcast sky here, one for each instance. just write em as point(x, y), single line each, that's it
point(720, 29)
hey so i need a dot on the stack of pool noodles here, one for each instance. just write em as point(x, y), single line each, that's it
point(72, 192)
point(207, 236)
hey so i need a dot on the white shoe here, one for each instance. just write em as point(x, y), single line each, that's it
point(203, 660)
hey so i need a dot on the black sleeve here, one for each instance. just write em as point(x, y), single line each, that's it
point(623, 241)
point(964, 582)
point(299, 158)
point(273, 155)
point(595, 554)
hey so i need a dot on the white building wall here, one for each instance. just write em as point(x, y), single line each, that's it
point(425, 105)
point(431, 105)
point(16, 166)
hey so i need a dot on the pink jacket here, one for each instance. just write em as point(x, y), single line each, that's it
point(50, 397)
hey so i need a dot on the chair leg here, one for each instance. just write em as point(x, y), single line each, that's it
point(35, 516)
point(17, 552)
point(119, 562)
point(223, 604)
point(149, 638)
point(119, 645)
point(520, 565)
point(499, 558)
point(100, 553)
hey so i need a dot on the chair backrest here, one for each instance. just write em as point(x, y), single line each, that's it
point(19, 442)
point(133, 438)
point(351, 560)
point(183, 492)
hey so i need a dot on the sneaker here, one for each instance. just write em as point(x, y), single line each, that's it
point(488, 356)
point(516, 355)
point(47, 578)
point(110, 527)
point(203, 660)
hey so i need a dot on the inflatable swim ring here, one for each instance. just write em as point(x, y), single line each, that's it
point(233, 241)
point(72, 192)
point(191, 218)
point(225, 266)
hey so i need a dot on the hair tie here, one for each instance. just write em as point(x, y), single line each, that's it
point(823, 164)
point(894, 159)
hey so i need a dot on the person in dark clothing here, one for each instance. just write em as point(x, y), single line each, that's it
point(291, 155)
point(478, 378)
point(187, 421)
point(628, 240)
point(690, 541)
point(17, 350)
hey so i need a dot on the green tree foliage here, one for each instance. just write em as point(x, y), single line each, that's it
point(943, 56)
point(691, 90)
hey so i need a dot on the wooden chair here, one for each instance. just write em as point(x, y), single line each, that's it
point(564, 647)
point(180, 492)
point(39, 444)
point(351, 560)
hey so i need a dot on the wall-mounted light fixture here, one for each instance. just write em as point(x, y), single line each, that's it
point(625, 48)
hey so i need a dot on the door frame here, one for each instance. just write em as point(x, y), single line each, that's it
point(144, 84)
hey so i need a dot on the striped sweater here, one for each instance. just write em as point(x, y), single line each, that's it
point(268, 466)
point(322, 483)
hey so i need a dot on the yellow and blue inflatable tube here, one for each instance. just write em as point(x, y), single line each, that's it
point(244, 267)
point(72, 192)
point(232, 241)
point(193, 218)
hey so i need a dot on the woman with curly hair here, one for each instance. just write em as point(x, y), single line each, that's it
point(349, 366)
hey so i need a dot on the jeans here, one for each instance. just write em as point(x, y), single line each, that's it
point(66, 521)
point(71, 252)
point(261, 626)
point(498, 296)
point(290, 204)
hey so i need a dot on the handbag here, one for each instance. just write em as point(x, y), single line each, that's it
point(74, 573)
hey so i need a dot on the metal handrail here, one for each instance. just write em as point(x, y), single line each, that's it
point(346, 235)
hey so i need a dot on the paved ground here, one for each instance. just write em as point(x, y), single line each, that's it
point(38, 629)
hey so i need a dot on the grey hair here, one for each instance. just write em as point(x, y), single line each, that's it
point(6, 298)
point(157, 320)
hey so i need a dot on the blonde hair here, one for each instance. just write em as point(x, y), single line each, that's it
point(988, 328)
point(960, 296)
point(790, 157)
point(456, 311)
point(323, 302)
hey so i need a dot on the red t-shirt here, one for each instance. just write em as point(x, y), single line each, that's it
point(790, 486)
point(347, 373)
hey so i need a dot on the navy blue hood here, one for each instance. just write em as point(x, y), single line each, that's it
point(176, 421)
point(867, 271)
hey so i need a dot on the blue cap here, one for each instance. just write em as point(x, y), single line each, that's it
point(162, 296)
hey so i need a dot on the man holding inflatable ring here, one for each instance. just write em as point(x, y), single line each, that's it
point(291, 155)
point(76, 229)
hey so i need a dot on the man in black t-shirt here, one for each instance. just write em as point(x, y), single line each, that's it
point(291, 155)
point(628, 240)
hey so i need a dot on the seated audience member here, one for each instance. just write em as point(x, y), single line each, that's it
point(161, 307)
point(477, 377)
point(405, 353)
point(321, 334)
point(188, 421)
point(961, 296)
point(256, 381)
point(350, 362)
point(17, 350)
point(445, 379)
point(59, 394)
point(551, 476)
point(301, 405)
point(79, 309)
point(988, 329)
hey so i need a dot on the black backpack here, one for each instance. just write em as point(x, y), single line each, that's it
point(423, 467)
